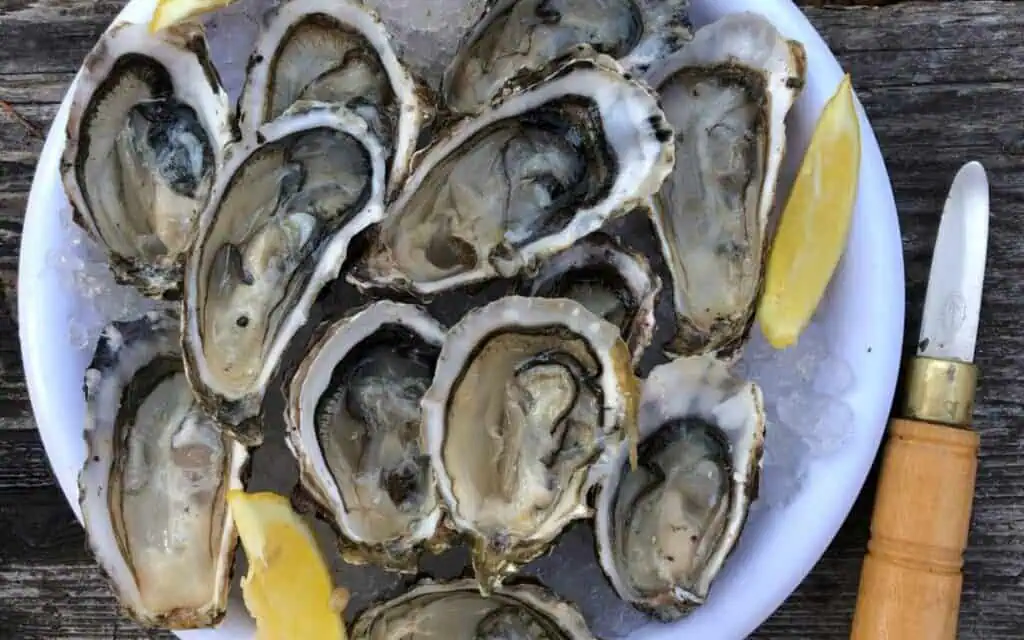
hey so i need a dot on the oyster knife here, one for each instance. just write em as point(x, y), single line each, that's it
point(911, 578)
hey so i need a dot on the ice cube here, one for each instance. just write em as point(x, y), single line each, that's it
point(802, 387)
point(426, 34)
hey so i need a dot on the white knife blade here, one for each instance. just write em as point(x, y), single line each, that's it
point(952, 302)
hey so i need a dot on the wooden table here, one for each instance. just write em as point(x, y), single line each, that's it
point(943, 83)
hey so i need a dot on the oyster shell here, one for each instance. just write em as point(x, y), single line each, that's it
point(665, 529)
point(335, 51)
point(146, 130)
point(153, 487)
point(523, 180)
point(528, 393)
point(726, 94)
point(277, 229)
point(353, 415)
point(610, 281)
point(457, 610)
point(513, 36)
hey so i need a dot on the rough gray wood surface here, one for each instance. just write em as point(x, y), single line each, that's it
point(942, 84)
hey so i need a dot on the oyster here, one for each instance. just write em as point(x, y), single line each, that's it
point(145, 136)
point(457, 610)
point(353, 414)
point(610, 281)
point(513, 36)
point(665, 528)
point(334, 51)
point(154, 484)
point(277, 229)
point(523, 180)
point(528, 393)
point(726, 95)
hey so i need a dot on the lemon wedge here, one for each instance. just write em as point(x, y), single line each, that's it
point(171, 12)
point(811, 235)
point(288, 588)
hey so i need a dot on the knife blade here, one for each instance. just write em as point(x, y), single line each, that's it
point(912, 576)
point(952, 302)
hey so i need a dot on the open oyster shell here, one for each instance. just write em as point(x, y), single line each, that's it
point(154, 484)
point(610, 281)
point(145, 140)
point(513, 36)
point(277, 229)
point(528, 394)
point(353, 416)
point(665, 529)
point(458, 610)
point(335, 51)
point(726, 94)
point(522, 180)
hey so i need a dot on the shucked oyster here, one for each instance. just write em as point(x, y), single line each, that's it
point(614, 283)
point(527, 395)
point(353, 414)
point(726, 95)
point(157, 471)
point(665, 528)
point(145, 138)
point(523, 180)
point(334, 51)
point(513, 36)
point(276, 231)
point(457, 610)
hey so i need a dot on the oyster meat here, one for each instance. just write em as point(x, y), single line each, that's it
point(528, 393)
point(334, 51)
point(154, 484)
point(457, 610)
point(353, 414)
point(145, 136)
point(523, 180)
point(610, 281)
point(277, 229)
point(513, 36)
point(726, 94)
point(665, 529)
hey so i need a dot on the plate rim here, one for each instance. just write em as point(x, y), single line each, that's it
point(50, 406)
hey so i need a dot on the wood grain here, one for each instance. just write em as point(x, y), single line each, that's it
point(911, 580)
point(942, 82)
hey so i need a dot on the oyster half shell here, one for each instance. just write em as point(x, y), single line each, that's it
point(146, 131)
point(513, 36)
point(528, 394)
point(277, 229)
point(726, 94)
point(458, 610)
point(353, 417)
point(610, 281)
point(335, 51)
point(153, 487)
point(665, 529)
point(523, 180)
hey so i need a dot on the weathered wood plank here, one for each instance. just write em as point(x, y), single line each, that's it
point(61, 600)
point(941, 84)
point(23, 465)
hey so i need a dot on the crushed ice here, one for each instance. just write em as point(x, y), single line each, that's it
point(802, 385)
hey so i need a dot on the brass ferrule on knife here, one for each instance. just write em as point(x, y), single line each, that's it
point(940, 391)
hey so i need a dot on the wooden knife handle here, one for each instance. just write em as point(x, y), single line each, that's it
point(911, 579)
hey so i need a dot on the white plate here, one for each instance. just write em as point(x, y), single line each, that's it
point(862, 316)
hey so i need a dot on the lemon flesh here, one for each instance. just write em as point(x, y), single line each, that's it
point(812, 232)
point(288, 588)
point(171, 12)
